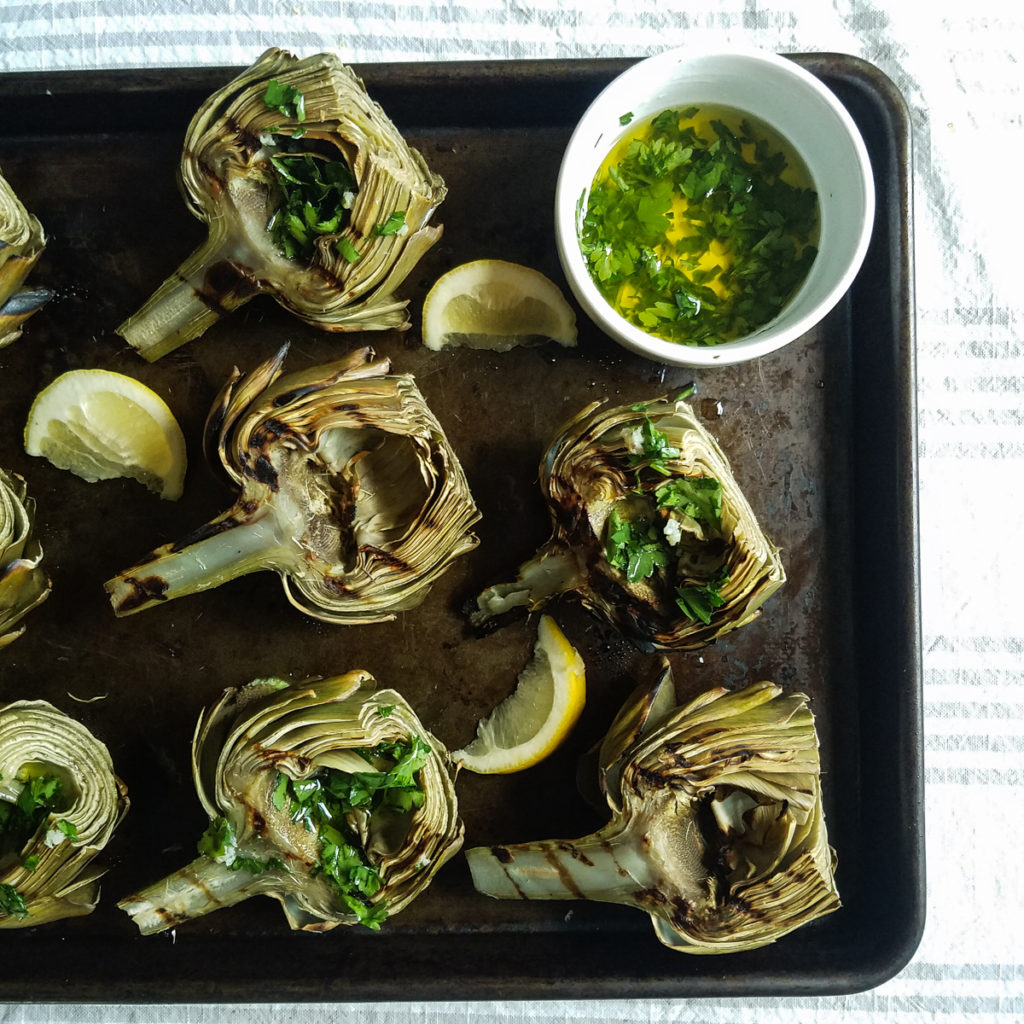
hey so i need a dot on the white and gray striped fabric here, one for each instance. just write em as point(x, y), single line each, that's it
point(958, 65)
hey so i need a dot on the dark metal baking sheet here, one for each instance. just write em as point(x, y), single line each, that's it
point(821, 435)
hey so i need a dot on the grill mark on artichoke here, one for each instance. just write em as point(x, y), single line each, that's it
point(275, 429)
point(286, 397)
point(259, 823)
point(260, 469)
point(207, 530)
point(225, 286)
point(610, 850)
point(141, 592)
point(576, 854)
point(388, 559)
point(551, 856)
point(501, 854)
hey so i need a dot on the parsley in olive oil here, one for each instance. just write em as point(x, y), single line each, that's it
point(699, 225)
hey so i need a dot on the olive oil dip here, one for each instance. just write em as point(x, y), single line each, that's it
point(699, 225)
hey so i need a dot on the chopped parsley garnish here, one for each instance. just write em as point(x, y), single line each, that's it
point(20, 819)
point(635, 546)
point(652, 446)
point(347, 250)
point(698, 601)
point(286, 99)
point(692, 231)
point(323, 803)
point(393, 225)
point(317, 194)
point(68, 829)
point(220, 843)
point(12, 903)
point(699, 497)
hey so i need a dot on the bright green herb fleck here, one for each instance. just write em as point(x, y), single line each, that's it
point(12, 903)
point(285, 98)
point(385, 710)
point(635, 546)
point(323, 802)
point(692, 233)
point(698, 497)
point(698, 601)
point(624, 119)
point(68, 829)
point(316, 195)
point(20, 820)
point(393, 225)
point(654, 447)
point(347, 250)
point(219, 843)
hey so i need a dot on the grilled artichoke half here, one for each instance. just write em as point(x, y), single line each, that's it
point(60, 803)
point(650, 530)
point(309, 192)
point(22, 241)
point(328, 796)
point(23, 582)
point(717, 829)
point(349, 490)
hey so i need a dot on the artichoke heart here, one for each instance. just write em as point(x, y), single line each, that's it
point(350, 491)
point(309, 193)
point(60, 803)
point(22, 241)
point(24, 583)
point(650, 530)
point(329, 796)
point(716, 831)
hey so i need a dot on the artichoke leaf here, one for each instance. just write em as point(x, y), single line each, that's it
point(350, 491)
point(24, 584)
point(22, 241)
point(717, 828)
point(60, 802)
point(254, 743)
point(650, 529)
point(338, 274)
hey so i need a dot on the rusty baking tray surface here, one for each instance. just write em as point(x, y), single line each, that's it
point(821, 435)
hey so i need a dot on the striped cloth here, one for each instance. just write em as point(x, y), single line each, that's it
point(958, 67)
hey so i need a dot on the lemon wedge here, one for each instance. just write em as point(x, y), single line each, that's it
point(534, 719)
point(101, 425)
point(496, 305)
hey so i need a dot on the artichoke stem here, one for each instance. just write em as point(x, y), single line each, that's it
point(608, 866)
point(206, 287)
point(221, 551)
point(196, 889)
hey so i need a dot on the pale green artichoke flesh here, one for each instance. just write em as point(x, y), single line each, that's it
point(349, 488)
point(753, 869)
point(620, 464)
point(22, 241)
point(24, 583)
point(244, 744)
point(49, 874)
point(227, 178)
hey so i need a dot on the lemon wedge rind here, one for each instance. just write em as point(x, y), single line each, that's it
point(496, 305)
point(101, 425)
point(536, 717)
